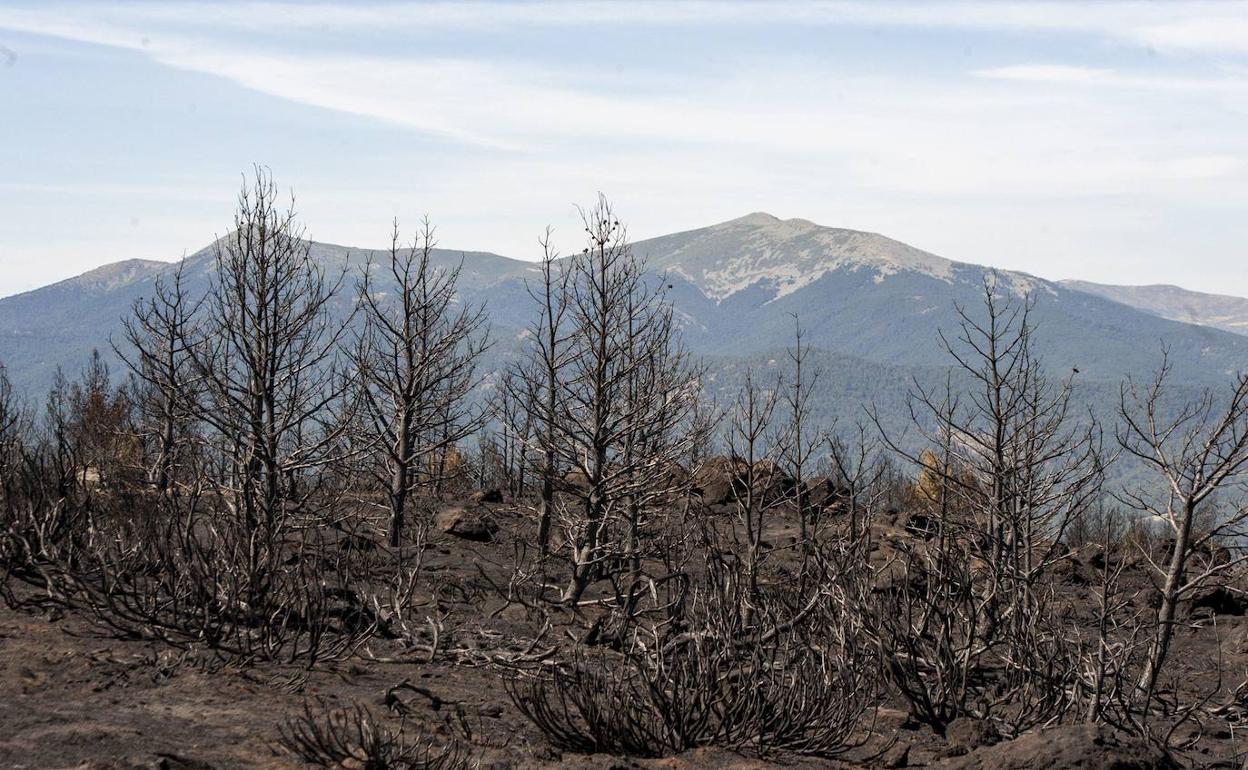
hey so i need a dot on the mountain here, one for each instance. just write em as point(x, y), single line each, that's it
point(60, 324)
point(1175, 303)
point(867, 302)
point(738, 285)
point(787, 254)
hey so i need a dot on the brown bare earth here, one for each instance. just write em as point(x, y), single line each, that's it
point(73, 695)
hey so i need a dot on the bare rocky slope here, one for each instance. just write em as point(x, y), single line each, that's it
point(1175, 303)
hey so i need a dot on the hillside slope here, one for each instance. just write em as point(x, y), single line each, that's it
point(736, 287)
point(1176, 303)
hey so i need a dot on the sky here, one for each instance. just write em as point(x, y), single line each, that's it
point(1103, 141)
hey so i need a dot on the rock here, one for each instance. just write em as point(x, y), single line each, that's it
point(822, 493)
point(713, 480)
point(912, 522)
point(1068, 747)
point(575, 481)
point(1219, 600)
point(771, 483)
point(1236, 640)
point(492, 495)
point(965, 734)
point(898, 755)
point(677, 475)
point(721, 480)
point(466, 524)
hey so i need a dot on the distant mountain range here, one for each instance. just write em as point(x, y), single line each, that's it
point(870, 305)
point(1175, 303)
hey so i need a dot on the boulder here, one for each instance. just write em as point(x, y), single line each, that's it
point(492, 495)
point(713, 480)
point(1218, 600)
point(822, 493)
point(771, 482)
point(1067, 747)
point(721, 481)
point(965, 734)
point(575, 481)
point(466, 524)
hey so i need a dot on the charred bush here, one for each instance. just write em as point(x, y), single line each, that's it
point(353, 736)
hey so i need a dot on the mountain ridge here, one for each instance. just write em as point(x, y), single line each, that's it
point(813, 250)
point(1222, 311)
point(736, 287)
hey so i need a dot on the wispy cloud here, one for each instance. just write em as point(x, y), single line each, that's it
point(755, 130)
point(914, 135)
point(1063, 74)
point(1215, 25)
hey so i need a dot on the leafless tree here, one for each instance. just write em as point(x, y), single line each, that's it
point(534, 384)
point(158, 333)
point(1021, 463)
point(860, 474)
point(417, 361)
point(15, 431)
point(757, 480)
point(1007, 467)
point(1193, 450)
point(12, 425)
point(625, 390)
point(800, 440)
point(266, 360)
point(507, 450)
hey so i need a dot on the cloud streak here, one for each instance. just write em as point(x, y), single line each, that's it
point(1218, 26)
point(931, 137)
point(1094, 117)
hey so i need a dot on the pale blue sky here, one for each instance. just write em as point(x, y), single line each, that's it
point(1104, 141)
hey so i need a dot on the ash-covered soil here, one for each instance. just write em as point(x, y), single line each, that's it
point(74, 695)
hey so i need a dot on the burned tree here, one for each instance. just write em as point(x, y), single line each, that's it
point(417, 362)
point(610, 393)
point(1193, 450)
point(1006, 468)
point(800, 439)
point(753, 472)
point(534, 384)
point(266, 358)
point(159, 332)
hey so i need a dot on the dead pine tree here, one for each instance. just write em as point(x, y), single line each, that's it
point(1193, 450)
point(661, 405)
point(1007, 465)
point(14, 424)
point(753, 470)
point(800, 440)
point(417, 362)
point(158, 333)
point(1023, 463)
point(505, 452)
point(859, 474)
point(534, 382)
point(623, 390)
point(266, 363)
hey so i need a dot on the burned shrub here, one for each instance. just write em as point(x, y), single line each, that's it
point(353, 736)
point(775, 678)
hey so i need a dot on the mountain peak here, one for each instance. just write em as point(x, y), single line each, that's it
point(786, 254)
point(753, 219)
